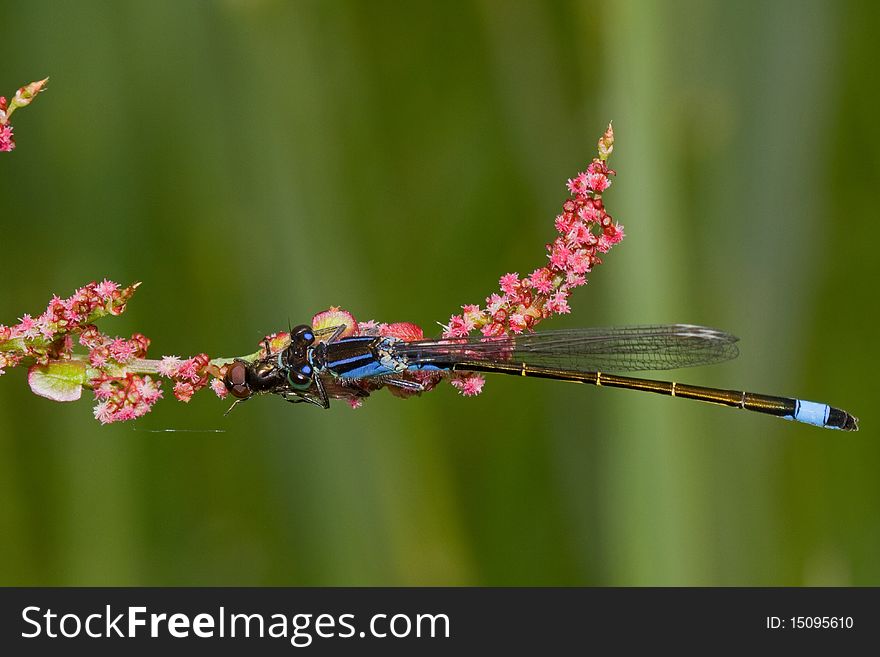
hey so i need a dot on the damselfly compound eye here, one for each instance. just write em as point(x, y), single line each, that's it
point(235, 380)
point(300, 379)
point(302, 336)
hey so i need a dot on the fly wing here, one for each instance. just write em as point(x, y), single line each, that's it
point(619, 349)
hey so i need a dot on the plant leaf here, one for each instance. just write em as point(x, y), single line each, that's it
point(60, 381)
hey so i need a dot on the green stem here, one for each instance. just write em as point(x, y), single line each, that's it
point(139, 365)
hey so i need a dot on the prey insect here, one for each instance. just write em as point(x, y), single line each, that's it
point(317, 366)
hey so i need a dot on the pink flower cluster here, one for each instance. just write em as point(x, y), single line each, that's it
point(7, 142)
point(586, 231)
point(104, 349)
point(115, 368)
point(22, 98)
point(50, 335)
point(124, 397)
point(189, 375)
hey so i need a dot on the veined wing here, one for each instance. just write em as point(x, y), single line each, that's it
point(617, 349)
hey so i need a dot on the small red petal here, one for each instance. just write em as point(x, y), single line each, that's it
point(334, 317)
point(404, 331)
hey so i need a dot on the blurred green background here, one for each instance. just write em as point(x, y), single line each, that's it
point(256, 161)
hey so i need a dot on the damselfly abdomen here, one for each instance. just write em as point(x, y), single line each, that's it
point(319, 365)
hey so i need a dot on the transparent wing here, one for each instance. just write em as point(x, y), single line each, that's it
point(325, 334)
point(620, 349)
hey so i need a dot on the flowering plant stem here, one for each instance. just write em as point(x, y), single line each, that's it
point(127, 384)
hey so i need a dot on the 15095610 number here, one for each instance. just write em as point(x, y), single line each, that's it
point(821, 622)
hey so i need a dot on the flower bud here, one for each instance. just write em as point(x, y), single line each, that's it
point(26, 94)
point(606, 143)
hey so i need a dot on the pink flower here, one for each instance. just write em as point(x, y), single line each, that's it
point(558, 303)
point(140, 409)
point(469, 385)
point(219, 388)
point(578, 234)
point(494, 330)
point(26, 328)
point(7, 142)
point(559, 254)
point(578, 186)
point(105, 289)
point(355, 402)
point(183, 391)
point(472, 314)
point(494, 302)
point(575, 280)
point(598, 182)
point(104, 412)
point(542, 280)
point(45, 323)
point(121, 350)
point(564, 222)
point(139, 344)
point(615, 234)
point(188, 369)
point(148, 390)
point(578, 262)
point(517, 322)
point(124, 398)
point(168, 366)
point(98, 357)
point(509, 283)
point(590, 214)
point(103, 387)
point(584, 226)
point(610, 237)
point(124, 413)
point(457, 327)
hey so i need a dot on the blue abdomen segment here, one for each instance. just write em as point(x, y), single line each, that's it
point(427, 367)
point(822, 415)
point(811, 413)
point(370, 369)
point(375, 368)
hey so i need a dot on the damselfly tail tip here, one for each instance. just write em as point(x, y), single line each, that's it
point(840, 419)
